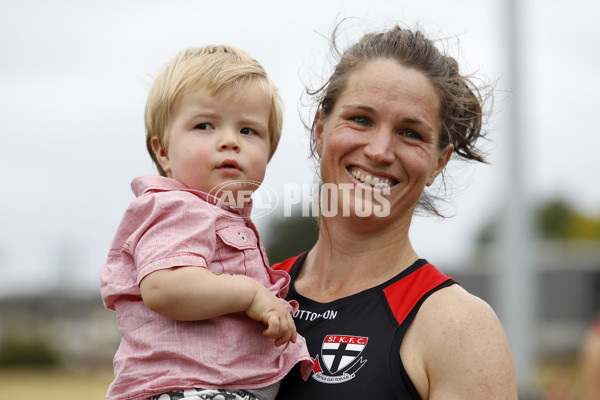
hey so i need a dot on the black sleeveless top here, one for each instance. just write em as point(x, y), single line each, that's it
point(355, 340)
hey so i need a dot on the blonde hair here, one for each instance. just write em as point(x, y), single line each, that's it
point(215, 69)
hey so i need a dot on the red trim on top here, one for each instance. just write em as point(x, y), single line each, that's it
point(287, 264)
point(403, 295)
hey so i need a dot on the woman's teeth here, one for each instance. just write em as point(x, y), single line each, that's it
point(371, 180)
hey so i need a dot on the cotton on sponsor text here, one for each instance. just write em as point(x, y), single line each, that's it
point(311, 316)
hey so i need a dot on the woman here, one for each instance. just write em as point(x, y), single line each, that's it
point(381, 322)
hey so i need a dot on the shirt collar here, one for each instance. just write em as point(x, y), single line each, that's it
point(154, 183)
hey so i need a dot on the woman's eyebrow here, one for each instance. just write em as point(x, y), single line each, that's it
point(360, 107)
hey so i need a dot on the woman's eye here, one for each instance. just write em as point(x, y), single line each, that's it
point(411, 135)
point(248, 131)
point(204, 126)
point(362, 120)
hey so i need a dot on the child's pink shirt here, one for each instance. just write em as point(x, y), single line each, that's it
point(169, 225)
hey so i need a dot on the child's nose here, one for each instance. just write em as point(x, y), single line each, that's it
point(229, 141)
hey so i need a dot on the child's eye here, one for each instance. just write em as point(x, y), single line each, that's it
point(204, 126)
point(248, 131)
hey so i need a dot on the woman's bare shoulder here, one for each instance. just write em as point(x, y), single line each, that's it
point(463, 349)
point(455, 306)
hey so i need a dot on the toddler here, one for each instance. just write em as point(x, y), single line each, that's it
point(201, 313)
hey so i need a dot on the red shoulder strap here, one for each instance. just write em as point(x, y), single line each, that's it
point(404, 294)
point(287, 264)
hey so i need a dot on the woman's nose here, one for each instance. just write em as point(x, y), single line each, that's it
point(380, 148)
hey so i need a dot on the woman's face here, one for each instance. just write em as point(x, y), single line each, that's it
point(382, 138)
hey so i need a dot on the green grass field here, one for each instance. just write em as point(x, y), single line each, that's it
point(54, 384)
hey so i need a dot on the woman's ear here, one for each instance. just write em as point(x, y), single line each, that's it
point(162, 156)
point(318, 124)
point(442, 160)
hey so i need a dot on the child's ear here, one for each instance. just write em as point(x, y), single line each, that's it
point(162, 156)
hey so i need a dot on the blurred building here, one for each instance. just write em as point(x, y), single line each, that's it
point(567, 275)
point(71, 330)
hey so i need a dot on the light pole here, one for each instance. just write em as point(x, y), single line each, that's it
point(515, 274)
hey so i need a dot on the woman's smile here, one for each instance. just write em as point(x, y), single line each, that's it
point(371, 179)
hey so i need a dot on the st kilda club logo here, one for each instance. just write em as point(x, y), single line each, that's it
point(340, 358)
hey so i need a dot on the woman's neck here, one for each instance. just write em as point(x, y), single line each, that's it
point(345, 261)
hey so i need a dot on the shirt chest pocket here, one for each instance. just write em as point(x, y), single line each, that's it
point(237, 247)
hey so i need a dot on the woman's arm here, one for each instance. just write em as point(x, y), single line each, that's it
point(590, 363)
point(195, 293)
point(461, 350)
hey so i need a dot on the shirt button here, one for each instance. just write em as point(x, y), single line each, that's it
point(242, 236)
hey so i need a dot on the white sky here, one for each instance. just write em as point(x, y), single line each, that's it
point(73, 84)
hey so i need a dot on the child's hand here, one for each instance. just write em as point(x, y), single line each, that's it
point(272, 312)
